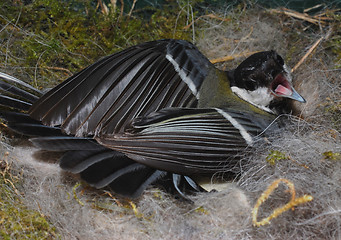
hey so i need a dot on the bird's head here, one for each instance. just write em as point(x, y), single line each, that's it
point(263, 79)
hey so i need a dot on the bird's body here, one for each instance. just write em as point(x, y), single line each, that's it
point(156, 111)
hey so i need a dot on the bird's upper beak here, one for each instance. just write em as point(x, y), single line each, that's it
point(281, 87)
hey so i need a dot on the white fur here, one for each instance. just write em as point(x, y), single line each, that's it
point(183, 76)
point(260, 97)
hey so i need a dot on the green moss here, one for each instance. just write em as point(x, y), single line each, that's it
point(275, 156)
point(334, 42)
point(329, 155)
point(62, 37)
point(16, 220)
point(332, 108)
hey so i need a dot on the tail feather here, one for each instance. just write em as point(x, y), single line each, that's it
point(10, 89)
point(193, 184)
point(66, 143)
point(132, 183)
point(17, 97)
point(7, 101)
point(33, 129)
point(108, 168)
point(20, 83)
point(78, 161)
point(179, 185)
point(17, 117)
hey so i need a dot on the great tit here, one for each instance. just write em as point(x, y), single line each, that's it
point(155, 112)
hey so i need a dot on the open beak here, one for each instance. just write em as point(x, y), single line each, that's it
point(281, 87)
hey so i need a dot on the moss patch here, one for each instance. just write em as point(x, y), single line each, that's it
point(16, 220)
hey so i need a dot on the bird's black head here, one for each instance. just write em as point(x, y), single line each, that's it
point(262, 79)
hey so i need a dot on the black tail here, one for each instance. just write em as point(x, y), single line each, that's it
point(100, 166)
point(97, 165)
point(16, 97)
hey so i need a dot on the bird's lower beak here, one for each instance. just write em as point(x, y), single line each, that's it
point(281, 87)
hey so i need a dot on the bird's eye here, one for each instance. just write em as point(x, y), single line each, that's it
point(280, 60)
point(250, 84)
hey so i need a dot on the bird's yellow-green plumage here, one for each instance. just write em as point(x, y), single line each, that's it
point(216, 92)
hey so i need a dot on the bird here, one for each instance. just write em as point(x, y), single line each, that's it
point(158, 112)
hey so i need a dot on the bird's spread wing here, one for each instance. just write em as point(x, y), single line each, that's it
point(188, 141)
point(118, 88)
point(16, 97)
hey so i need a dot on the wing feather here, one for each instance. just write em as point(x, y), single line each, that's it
point(123, 86)
point(188, 141)
point(22, 84)
point(14, 103)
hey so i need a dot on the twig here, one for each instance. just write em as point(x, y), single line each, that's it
point(311, 49)
point(209, 16)
point(303, 16)
point(113, 5)
point(104, 8)
point(115, 199)
point(231, 57)
point(247, 36)
point(313, 8)
point(122, 8)
point(132, 8)
point(325, 13)
point(60, 69)
point(307, 54)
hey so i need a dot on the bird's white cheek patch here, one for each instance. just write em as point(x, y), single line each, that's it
point(260, 97)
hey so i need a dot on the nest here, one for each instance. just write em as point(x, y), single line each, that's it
point(301, 163)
